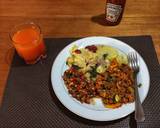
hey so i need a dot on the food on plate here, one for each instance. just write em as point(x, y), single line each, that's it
point(99, 71)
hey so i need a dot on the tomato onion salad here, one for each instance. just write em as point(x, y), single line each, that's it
point(99, 71)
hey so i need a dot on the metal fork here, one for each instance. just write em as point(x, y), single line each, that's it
point(134, 64)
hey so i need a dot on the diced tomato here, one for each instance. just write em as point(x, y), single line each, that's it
point(92, 48)
point(77, 51)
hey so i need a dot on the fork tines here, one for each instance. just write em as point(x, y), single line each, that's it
point(133, 61)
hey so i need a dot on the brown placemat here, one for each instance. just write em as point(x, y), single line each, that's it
point(29, 100)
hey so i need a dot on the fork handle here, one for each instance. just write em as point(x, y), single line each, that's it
point(139, 113)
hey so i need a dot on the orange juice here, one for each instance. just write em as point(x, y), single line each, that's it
point(29, 43)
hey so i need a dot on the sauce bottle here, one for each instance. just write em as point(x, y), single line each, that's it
point(113, 12)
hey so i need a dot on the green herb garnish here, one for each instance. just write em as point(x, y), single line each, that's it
point(104, 56)
point(93, 72)
point(139, 85)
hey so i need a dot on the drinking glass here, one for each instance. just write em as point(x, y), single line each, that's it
point(28, 42)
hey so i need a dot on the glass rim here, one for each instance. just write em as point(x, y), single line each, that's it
point(20, 25)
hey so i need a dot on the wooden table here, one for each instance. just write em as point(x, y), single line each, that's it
point(75, 18)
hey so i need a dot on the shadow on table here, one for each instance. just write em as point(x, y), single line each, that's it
point(9, 55)
point(12, 58)
point(132, 121)
point(86, 121)
point(99, 19)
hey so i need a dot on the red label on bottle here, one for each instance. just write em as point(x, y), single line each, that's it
point(113, 12)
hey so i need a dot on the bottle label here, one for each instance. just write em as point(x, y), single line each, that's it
point(113, 12)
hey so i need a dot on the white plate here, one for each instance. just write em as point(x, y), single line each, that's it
point(95, 112)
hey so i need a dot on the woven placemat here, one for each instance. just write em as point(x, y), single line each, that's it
point(29, 100)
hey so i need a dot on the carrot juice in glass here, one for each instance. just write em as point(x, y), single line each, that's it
point(28, 42)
